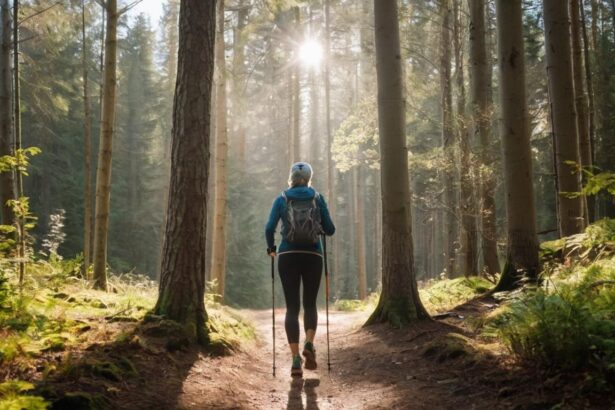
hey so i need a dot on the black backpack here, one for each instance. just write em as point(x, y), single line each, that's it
point(304, 223)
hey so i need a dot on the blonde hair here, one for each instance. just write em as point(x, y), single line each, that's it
point(299, 182)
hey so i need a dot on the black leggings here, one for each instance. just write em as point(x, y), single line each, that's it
point(295, 268)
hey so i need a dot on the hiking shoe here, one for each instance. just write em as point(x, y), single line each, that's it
point(310, 356)
point(296, 370)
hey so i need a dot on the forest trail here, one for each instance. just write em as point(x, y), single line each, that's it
point(419, 367)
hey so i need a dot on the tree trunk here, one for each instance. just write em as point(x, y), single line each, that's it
point(468, 231)
point(182, 281)
point(87, 154)
point(559, 71)
point(359, 223)
point(296, 99)
point(399, 301)
point(239, 80)
point(522, 254)
point(448, 139)
point(314, 121)
point(171, 66)
point(218, 260)
point(330, 166)
point(103, 173)
point(591, 201)
point(482, 108)
point(7, 188)
point(21, 223)
point(594, 11)
point(581, 103)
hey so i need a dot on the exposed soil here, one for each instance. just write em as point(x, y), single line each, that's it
point(420, 367)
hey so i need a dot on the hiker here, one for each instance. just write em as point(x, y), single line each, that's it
point(305, 217)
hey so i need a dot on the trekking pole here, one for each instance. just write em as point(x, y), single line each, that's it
point(273, 307)
point(324, 246)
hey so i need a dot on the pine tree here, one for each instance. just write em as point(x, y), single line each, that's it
point(218, 260)
point(522, 246)
point(399, 301)
point(182, 280)
point(103, 174)
point(563, 115)
point(482, 107)
point(6, 126)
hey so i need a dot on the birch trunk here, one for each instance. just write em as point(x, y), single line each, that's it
point(522, 247)
point(559, 71)
point(182, 281)
point(399, 301)
point(103, 174)
point(218, 260)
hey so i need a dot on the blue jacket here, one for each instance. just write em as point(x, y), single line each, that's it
point(278, 211)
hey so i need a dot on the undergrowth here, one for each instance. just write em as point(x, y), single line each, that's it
point(56, 314)
point(437, 295)
point(568, 322)
point(442, 295)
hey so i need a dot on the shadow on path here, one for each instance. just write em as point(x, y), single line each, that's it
point(295, 397)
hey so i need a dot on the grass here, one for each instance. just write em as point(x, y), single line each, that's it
point(443, 295)
point(437, 295)
point(58, 316)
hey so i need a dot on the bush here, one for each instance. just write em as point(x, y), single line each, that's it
point(568, 324)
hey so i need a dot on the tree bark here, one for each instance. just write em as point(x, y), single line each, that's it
point(21, 223)
point(581, 103)
point(171, 67)
point(239, 80)
point(482, 110)
point(103, 173)
point(399, 301)
point(182, 281)
point(359, 223)
point(296, 98)
point(87, 154)
point(448, 138)
point(591, 201)
point(7, 187)
point(559, 71)
point(468, 232)
point(522, 248)
point(218, 260)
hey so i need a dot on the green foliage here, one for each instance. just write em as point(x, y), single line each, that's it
point(13, 397)
point(443, 295)
point(598, 240)
point(569, 321)
point(356, 140)
point(355, 305)
point(20, 162)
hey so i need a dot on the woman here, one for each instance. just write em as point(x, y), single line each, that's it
point(305, 217)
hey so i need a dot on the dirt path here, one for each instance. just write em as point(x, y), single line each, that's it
point(247, 381)
point(440, 364)
point(419, 367)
